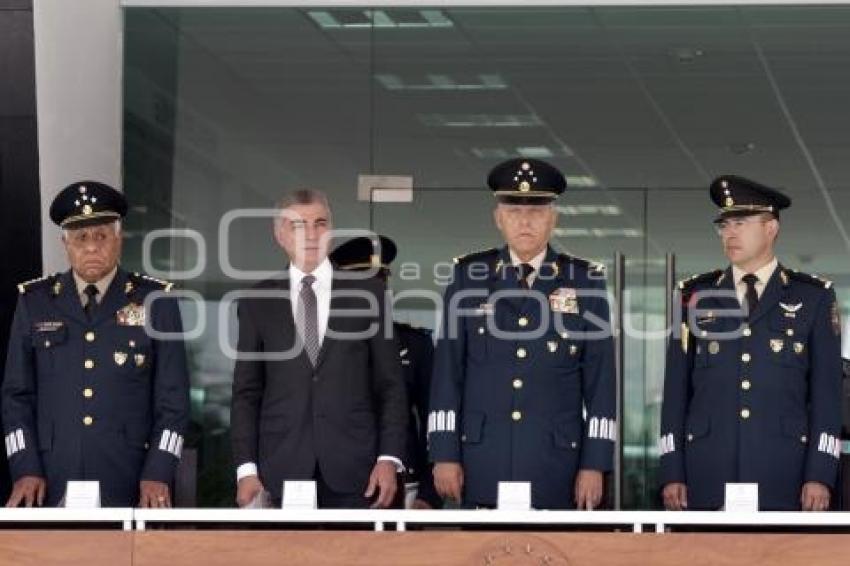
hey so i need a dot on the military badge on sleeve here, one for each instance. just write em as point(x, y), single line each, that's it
point(131, 315)
point(564, 300)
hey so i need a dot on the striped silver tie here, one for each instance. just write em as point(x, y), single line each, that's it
point(308, 319)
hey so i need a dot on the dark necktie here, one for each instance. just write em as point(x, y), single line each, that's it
point(91, 301)
point(751, 296)
point(524, 270)
point(308, 318)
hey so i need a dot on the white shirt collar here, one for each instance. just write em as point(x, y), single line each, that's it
point(101, 284)
point(323, 274)
point(535, 262)
point(763, 273)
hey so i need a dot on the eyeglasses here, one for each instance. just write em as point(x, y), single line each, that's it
point(736, 224)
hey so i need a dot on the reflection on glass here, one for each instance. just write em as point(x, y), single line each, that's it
point(640, 107)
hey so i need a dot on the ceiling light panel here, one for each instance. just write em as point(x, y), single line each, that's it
point(360, 19)
point(442, 82)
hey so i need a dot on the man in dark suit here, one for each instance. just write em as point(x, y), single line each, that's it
point(752, 391)
point(416, 352)
point(89, 393)
point(524, 349)
point(318, 391)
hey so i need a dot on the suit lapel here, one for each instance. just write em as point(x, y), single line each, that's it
point(771, 295)
point(68, 300)
point(725, 301)
point(282, 309)
point(550, 276)
point(503, 278)
point(337, 305)
point(114, 299)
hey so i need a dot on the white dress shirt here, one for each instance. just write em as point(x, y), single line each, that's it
point(322, 287)
point(535, 262)
point(763, 273)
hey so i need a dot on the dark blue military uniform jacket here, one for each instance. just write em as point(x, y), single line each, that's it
point(95, 400)
point(510, 408)
point(753, 400)
point(416, 351)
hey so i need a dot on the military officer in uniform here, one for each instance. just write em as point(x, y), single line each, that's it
point(416, 351)
point(525, 348)
point(753, 379)
point(88, 393)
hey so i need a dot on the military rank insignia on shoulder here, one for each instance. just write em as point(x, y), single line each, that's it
point(810, 279)
point(594, 269)
point(686, 288)
point(140, 279)
point(482, 255)
point(52, 280)
point(694, 280)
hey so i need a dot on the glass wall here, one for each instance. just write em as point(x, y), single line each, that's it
point(640, 107)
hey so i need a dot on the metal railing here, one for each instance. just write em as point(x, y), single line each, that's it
point(399, 520)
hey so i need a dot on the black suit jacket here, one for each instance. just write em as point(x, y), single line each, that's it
point(288, 416)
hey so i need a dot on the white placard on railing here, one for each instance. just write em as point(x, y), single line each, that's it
point(299, 495)
point(742, 498)
point(514, 496)
point(82, 495)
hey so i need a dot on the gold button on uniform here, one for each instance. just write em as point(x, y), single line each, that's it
point(745, 357)
point(480, 330)
point(745, 385)
point(745, 413)
point(87, 392)
point(89, 336)
point(804, 439)
point(523, 321)
point(521, 353)
point(47, 343)
point(87, 420)
point(517, 384)
point(790, 332)
point(89, 364)
point(690, 437)
point(747, 331)
point(516, 415)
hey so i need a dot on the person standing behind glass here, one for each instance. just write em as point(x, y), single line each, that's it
point(89, 393)
point(333, 410)
point(752, 389)
point(525, 349)
point(416, 352)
